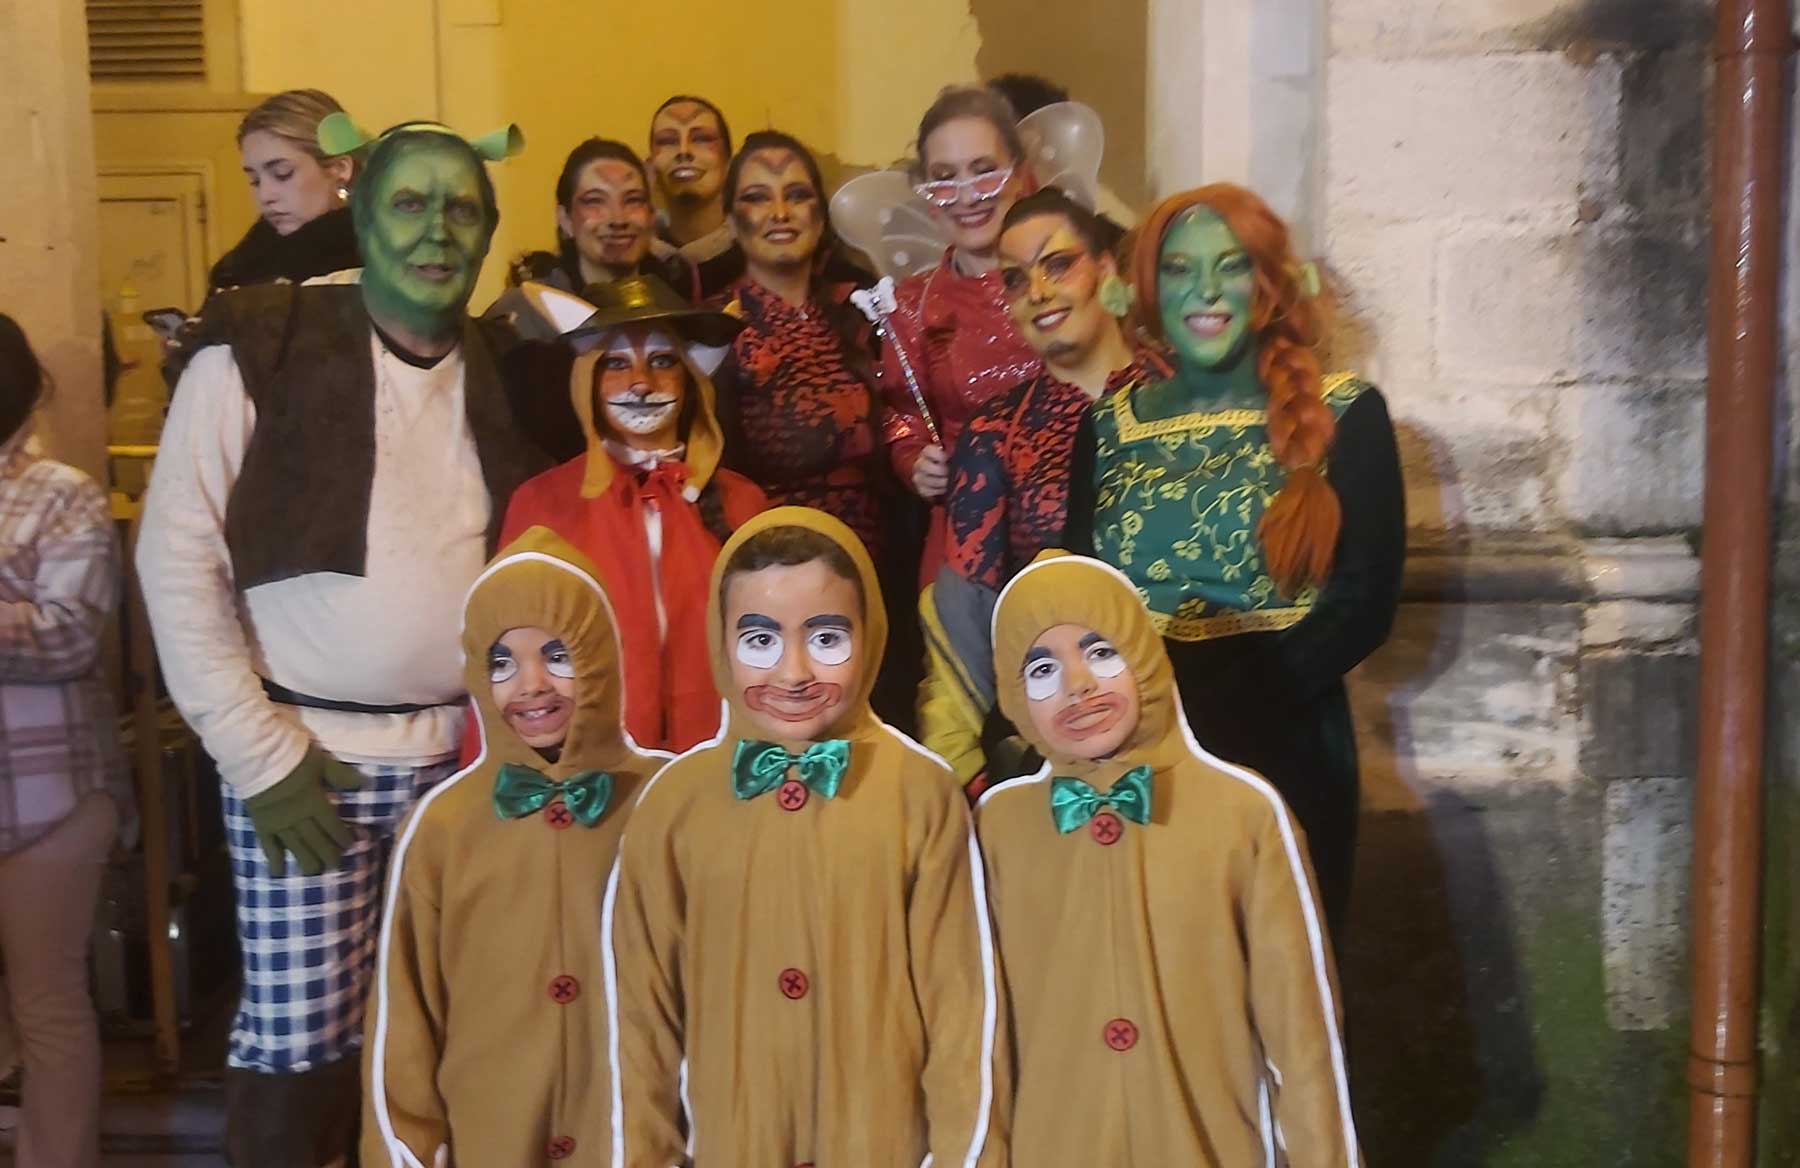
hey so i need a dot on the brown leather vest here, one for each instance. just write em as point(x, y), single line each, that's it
point(301, 502)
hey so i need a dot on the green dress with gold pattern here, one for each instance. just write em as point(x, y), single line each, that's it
point(1175, 504)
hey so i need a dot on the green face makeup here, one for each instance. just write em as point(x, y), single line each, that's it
point(1203, 287)
point(425, 237)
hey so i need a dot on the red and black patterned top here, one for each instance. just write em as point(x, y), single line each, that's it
point(1009, 479)
point(799, 417)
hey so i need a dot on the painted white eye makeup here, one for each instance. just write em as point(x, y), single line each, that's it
point(1043, 678)
point(759, 647)
point(557, 660)
point(828, 641)
point(1103, 659)
point(501, 666)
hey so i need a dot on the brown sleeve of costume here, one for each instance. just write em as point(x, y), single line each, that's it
point(644, 994)
point(1294, 1004)
point(955, 974)
point(404, 1118)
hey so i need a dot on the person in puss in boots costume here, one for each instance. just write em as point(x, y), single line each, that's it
point(1170, 980)
point(486, 1036)
point(802, 898)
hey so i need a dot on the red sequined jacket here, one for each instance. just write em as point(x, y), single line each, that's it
point(963, 348)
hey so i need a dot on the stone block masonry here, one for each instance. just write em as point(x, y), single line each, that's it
point(1512, 219)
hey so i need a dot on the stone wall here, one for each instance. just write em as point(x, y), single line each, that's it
point(1513, 218)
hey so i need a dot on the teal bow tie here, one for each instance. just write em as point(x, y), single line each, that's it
point(521, 790)
point(1073, 802)
point(757, 767)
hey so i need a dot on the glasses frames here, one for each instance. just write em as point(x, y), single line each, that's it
point(947, 192)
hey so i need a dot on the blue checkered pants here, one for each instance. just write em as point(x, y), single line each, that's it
point(309, 942)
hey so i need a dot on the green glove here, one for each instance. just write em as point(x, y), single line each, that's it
point(295, 815)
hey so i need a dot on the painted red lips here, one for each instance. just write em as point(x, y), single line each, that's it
point(794, 705)
point(1092, 718)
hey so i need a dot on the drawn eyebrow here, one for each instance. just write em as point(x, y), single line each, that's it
point(1090, 641)
point(498, 650)
point(553, 645)
point(1038, 653)
point(756, 620)
point(829, 620)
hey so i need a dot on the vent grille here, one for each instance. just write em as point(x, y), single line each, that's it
point(147, 40)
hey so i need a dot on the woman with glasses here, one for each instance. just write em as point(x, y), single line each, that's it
point(951, 325)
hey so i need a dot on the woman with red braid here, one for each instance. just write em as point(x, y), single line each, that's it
point(1256, 505)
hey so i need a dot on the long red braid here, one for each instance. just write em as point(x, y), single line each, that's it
point(1299, 531)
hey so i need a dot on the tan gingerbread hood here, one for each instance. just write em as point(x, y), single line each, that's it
point(1058, 588)
point(540, 580)
point(870, 632)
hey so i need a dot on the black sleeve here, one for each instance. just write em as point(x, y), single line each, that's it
point(1355, 610)
point(536, 376)
point(1078, 528)
point(728, 381)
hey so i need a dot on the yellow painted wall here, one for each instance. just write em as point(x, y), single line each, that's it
point(849, 77)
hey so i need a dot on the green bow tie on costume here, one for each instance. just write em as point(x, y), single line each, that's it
point(1074, 802)
point(521, 790)
point(758, 767)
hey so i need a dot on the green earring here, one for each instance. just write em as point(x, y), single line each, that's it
point(1115, 295)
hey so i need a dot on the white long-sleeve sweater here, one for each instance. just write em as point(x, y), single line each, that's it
point(389, 637)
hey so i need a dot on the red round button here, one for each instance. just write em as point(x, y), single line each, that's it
point(559, 816)
point(560, 1147)
point(564, 989)
point(794, 984)
point(792, 795)
point(1120, 1034)
point(1107, 828)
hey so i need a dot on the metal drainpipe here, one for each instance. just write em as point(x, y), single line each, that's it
point(1752, 44)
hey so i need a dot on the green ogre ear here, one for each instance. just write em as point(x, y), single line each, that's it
point(339, 135)
point(503, 143)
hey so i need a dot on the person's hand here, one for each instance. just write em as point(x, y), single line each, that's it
point(931, 473)
point(296, 815)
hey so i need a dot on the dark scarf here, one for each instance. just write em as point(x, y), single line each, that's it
point(326, 244)
point(301, 501)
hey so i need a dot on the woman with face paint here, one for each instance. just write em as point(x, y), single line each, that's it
point(952, 321)
point(796, 391)
point(1256, 504)
point(301, 195)
point(795, 388)
point(648, 502)
point(803, 894)
point(1172, 991)
point(1009, 487)
point(605, 229)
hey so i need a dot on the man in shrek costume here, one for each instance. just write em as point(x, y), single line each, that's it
point(1255, 503)
point(334, 469)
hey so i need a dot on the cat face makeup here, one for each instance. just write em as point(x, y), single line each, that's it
point(792, 636)
point(610, 217)
point(641, 382)
point(1205, 283)
point(778, 216)
point(1082, 698)
point(687, 152)
point(1052, 287)
point(533, 676)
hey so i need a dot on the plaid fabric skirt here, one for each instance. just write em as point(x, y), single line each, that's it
point(308, 942)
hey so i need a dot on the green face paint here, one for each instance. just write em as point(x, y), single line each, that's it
point(425, 236)
point(1205, 280)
